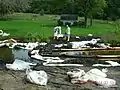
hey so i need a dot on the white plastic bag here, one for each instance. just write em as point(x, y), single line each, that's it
point(37, 77)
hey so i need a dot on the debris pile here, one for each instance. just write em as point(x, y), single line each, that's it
point(94, 75)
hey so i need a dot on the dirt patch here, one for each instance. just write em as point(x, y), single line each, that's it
point(57, 79)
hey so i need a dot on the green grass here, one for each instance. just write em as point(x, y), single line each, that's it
point(24, 24)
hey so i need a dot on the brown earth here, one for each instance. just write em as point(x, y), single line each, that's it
point(57, 79)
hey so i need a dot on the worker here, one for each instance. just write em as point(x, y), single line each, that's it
point(56, 29)
point(68, 33)
point(59, 32)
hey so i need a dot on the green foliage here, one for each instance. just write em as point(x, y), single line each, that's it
point(43, 26)
point(114, 43)
point(5, 8)
point(113, 10)
point(30, 37)
point(88, 8)
point(10, 6)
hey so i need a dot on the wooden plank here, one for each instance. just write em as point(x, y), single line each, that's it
point(86, 49)
point(61, 65)
point(84, 56)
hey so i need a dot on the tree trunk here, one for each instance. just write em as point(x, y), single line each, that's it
point(85, 22)
point(91, 21)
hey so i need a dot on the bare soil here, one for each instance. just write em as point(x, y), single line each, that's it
point(57, 79)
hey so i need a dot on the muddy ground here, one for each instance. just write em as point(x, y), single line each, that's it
point(57, 79)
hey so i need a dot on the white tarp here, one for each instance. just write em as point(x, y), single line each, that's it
point(46, 59)
point(2, 44)
point(19, 65)
point(27, 46)
point(37, 77)
point(110, 64)
point(82, 44)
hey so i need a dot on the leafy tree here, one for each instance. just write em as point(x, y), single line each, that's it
point(21, 5)
point(113, 9)
point(10, 6)
point(88, 8)
point(5, 8)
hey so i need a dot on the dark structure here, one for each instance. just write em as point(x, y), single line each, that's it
point(68, 19)
point(6, 55)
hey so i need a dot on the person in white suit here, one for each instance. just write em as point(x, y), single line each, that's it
point(59, 30)
point(56, 30)
point(68, 33)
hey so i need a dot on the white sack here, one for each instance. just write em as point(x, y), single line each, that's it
point(37, 77)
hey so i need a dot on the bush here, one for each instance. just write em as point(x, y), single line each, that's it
point(114, 43)
point(35, 38)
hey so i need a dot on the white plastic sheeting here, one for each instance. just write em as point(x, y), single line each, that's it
point(37, 56)
point(71, 53)
point(62, 65)
point(110, 64)
point(34, 52)
point(94, 75)
point(27, 46)
point(19, 65)
point(46, 59)
point(2, 44)
point(3, 34)
point(37, 77)
point(82, 44)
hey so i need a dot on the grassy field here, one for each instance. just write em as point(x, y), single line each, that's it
point(23, 24)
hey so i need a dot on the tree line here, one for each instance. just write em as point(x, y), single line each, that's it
point(100, 9)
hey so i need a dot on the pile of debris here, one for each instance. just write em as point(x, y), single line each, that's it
point(94, 76)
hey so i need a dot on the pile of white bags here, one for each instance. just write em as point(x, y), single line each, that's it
point(94, 75)
point(37, 77)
